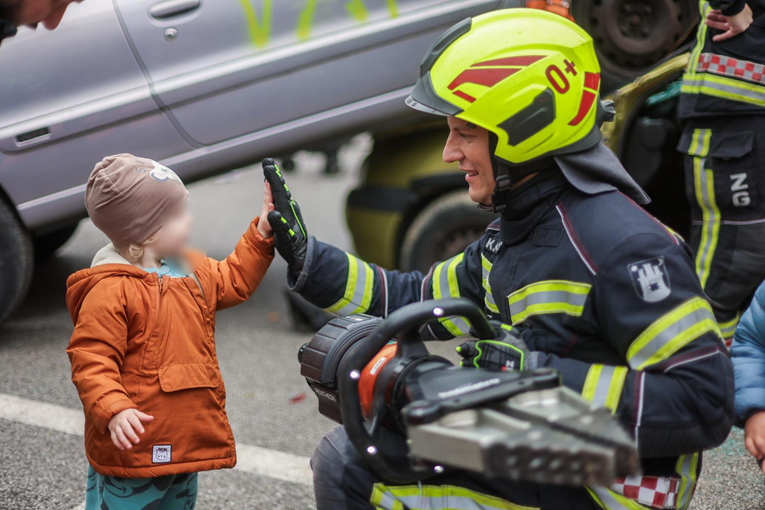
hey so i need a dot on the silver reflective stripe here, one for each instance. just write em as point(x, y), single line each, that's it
point(726, 90)
point(486, 266)
point(686, 468)
point(671, 332)
point(553, 296)
point(437, 497)
point(359, 286)
point(446, 285)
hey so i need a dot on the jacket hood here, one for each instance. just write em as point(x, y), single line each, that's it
point(107, 263)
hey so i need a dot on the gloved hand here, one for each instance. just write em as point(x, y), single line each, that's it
point(290, 235)
point(507, 351)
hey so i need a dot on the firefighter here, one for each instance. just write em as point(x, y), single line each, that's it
point(603, 292)
point(722, 107)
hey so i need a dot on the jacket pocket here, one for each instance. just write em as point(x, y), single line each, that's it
point(186, 376)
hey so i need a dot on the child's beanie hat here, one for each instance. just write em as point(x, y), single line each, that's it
point(128, 197)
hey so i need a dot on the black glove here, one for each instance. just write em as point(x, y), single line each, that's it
point(507, 351)
point(290, 236)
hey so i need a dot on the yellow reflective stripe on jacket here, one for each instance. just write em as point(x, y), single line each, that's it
point(704, 187)
point(687, 466)
point(488, 300)
point(446, 285)
point(671, 332)
point(549, 296)
point(359, 286)
point(728, 329)
point(609, 500)
point(603, 385)
point(700, 143)
point(436, 497)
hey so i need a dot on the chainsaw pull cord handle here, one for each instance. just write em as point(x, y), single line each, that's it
point(405, 324)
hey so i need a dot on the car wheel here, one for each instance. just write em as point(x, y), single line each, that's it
point(16, 261)
point(47, 244)
point(632, 35)
point(441, 230)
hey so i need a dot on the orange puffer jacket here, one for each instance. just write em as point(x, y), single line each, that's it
point(145, 342)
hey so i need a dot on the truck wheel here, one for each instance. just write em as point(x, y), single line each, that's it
point(47, 244)
point(441, 230)
point(632, 35)
point(16, 261)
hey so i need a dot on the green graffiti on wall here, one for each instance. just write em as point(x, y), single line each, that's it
point(305, 19)
point(260, 30)
point(357, 9)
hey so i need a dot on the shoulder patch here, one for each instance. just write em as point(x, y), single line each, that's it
point(650, 279)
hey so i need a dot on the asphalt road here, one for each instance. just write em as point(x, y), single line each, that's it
point(44, 468)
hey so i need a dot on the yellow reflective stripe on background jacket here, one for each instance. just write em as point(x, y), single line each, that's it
point(551, 296)
point(358, 288)
point(603, 385)
point(704, 189)
point(671, 332)
point(436, 497)
point(446, 285)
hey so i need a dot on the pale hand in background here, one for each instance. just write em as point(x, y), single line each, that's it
point(730, 25)
point(124, 425)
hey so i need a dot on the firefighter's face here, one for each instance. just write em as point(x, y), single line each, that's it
point(468, 145)
point(32, 12)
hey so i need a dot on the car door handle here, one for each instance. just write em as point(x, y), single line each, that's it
point(172, 8)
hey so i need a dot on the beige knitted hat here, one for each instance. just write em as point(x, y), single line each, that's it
point(128, 197)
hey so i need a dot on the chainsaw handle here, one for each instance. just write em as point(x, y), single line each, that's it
point(403, 324)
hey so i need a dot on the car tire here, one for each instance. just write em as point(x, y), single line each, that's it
point(47, 244)
point(631, 36)
point(16, 261)
point(444, 228)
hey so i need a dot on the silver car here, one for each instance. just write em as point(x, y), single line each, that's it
point(204, 86)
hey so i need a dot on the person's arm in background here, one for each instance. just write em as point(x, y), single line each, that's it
point(343, 284)
point(732, 17)
point(237, 276)
point(748, 352)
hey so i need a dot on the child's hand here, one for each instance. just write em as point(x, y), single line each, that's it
point(123, 426)
point(268, 205)
point(754, 435)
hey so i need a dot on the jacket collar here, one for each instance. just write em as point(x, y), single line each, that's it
point(529, 203)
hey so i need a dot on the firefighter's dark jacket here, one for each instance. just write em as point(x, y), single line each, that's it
point(726, 77)
point(608, 293)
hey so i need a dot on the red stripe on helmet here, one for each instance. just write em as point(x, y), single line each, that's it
point(588, 98)
point(510, 61)
point(466, 97)
point(485, 77)
point(591, 80)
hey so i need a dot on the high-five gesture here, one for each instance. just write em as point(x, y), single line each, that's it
point(290, 235)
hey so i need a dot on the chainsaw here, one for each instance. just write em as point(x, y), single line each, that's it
point(376, 375)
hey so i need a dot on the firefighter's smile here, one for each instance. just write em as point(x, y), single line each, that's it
point(471, 176)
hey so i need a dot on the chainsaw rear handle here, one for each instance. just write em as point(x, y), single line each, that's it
point(404, 325)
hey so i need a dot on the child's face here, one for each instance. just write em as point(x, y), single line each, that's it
point(173, 238)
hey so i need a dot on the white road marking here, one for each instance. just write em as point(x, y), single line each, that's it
point(251, 459)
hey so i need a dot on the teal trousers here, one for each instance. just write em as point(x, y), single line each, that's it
point(173, 492)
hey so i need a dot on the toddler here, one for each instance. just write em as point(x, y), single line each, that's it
point(143, 348)
point(748, 351)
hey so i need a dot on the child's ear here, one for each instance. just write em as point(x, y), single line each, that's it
point(153, 238)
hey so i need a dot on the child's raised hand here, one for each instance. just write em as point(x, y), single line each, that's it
point(123, 427)
point(754, 436)
point(268, 205)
